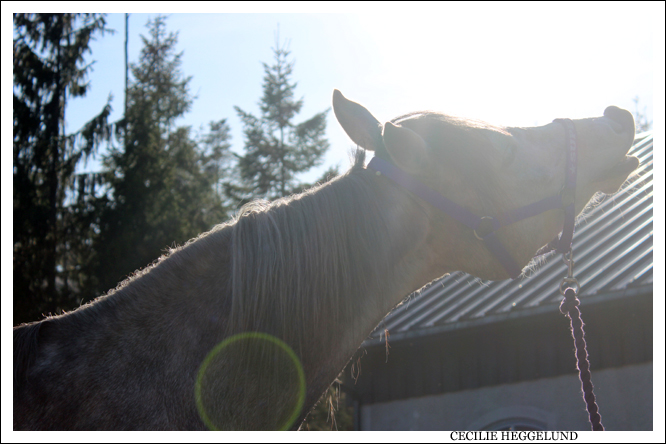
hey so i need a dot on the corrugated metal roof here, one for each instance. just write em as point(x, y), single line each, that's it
point(612, 248)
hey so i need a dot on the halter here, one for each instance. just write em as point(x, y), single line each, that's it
point(484, 228)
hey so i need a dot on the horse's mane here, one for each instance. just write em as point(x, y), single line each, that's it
point(299, 262)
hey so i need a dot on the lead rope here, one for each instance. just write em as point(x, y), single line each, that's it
point(569, 288)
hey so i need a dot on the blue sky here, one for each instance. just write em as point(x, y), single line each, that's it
point(508, 64)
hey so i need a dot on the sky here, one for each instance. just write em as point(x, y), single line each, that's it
point(513, 65)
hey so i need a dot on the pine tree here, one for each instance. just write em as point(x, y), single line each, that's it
point(49, 198)
point(276, 149)
point(218, 160)
point(161, 184)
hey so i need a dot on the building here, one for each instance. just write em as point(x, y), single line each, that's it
point(465, 354)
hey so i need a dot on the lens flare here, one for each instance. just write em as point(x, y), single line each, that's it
point(250, 381)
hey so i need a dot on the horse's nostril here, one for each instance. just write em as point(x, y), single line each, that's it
point(621, 117)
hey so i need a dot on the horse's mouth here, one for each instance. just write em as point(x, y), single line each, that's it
point(614, 177)
point(625, 167)
point(621, 123)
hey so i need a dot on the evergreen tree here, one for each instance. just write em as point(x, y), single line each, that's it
point(49, 199)
point(218, 160)
point(276, 149)
point(160, 183)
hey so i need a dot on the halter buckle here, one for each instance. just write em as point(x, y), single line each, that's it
point(569, 281)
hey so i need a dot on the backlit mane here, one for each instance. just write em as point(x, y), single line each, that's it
point(299, 255)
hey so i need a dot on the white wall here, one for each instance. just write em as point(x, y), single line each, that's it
point(624, 396)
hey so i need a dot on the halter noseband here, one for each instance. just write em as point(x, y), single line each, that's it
point(485, 227)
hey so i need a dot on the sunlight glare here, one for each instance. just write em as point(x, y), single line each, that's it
point(492, 61)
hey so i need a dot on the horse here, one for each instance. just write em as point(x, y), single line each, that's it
point(245, 326)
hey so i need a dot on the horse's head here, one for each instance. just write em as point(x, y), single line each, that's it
point(491, 171)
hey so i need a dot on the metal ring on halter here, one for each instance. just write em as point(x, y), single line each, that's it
point(571, 283)
point(487, 228)
point(569, 280)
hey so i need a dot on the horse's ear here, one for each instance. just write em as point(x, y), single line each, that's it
point(407, 149)
point(358, 123)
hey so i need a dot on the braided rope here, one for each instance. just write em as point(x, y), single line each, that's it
point(569, 307)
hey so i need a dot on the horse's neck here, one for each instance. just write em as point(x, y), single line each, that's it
point(348, 283)
point(379, 273)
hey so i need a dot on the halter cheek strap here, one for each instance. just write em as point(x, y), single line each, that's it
point(485, 227)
